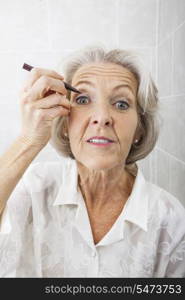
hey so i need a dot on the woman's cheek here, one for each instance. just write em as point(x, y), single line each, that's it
point(78, 116)
point(77, 111)
point(76, 123)
point(128, 128)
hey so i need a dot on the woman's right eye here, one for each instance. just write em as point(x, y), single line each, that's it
point(82, 100)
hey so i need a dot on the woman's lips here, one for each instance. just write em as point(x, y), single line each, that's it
point(100, 141)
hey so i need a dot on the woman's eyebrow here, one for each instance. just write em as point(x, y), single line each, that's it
point(123, 86)
point(84, 82)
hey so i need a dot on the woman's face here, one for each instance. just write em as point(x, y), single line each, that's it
point(103, 118)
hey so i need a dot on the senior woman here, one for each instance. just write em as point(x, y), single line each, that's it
point(92, 213)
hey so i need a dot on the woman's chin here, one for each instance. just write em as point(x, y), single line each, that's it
point(100, 164)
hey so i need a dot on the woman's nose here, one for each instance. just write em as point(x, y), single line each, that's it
point(102, 117)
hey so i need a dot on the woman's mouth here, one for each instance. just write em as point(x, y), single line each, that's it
point(100, 141)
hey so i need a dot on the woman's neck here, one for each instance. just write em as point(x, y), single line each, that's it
point(105, 187)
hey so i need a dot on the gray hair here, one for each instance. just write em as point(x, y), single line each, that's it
point(147, 99)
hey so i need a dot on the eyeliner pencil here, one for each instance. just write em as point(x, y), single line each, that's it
point(67, 85)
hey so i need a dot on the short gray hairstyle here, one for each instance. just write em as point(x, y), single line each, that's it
point(147, 99)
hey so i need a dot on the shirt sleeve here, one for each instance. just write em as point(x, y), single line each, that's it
point(16, 222)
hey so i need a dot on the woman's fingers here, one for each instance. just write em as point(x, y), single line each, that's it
point(51, 113)
point(36, 73)
point(41, 87)
point(39, 107)
point(52, 101)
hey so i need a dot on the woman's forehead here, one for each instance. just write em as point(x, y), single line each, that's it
point(104, 70)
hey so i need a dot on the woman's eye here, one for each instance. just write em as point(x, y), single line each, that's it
point(82, 100)
point(122, 105)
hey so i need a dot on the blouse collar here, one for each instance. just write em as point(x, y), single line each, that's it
point(135, 209)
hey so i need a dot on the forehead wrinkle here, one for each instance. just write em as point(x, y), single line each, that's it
point(106, 73)
point(84, 77)
point(93, 73)
point(125, 84)
point(107, 68)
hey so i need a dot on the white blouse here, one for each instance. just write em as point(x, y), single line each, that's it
point(45, 230)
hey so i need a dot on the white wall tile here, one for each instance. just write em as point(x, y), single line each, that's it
point(171, 15)
point(172, 138)
point(177, 175)
point(154, 66)
point(75, 24)
point(9, 122)
point(171, 174)
point(23, 25)
point(137, 23)
point(8, 73)
point(148, 166)
point(171, 78)
point(148, 56)
point(165, 68)
point(163, 169)
point(179, 61)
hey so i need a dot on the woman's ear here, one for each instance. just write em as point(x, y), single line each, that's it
point(137, 136)
point(65, 127)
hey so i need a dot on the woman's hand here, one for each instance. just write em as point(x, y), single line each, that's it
point(40, 106)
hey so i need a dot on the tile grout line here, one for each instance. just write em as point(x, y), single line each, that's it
point(179, 26)
point(169, 177)
point(172, 64)
point(172, 96)
point(157, 38)
point(48, 26)
point(117, 5)
point(171, 155)
point(169, 35)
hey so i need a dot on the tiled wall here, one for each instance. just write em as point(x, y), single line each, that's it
point(43, 32)
point(170, 151)
point(166, 165)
